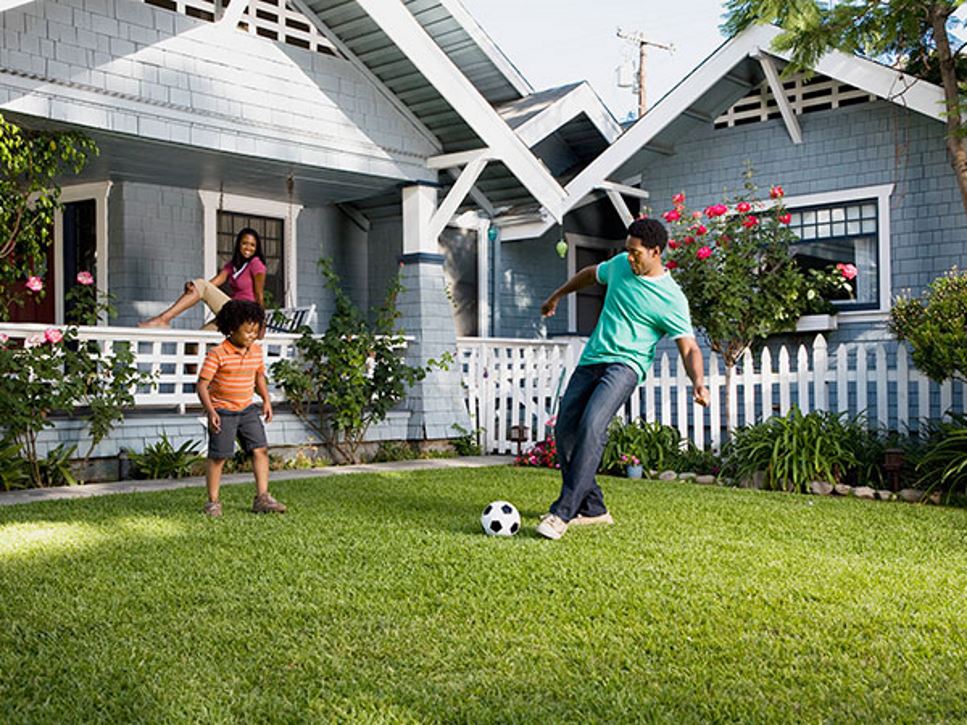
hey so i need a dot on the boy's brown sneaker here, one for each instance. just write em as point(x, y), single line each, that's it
point(213, 509)
point(265, 504)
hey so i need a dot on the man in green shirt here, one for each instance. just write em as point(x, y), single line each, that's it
point(642, 304)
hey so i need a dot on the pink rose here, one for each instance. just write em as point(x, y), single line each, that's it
point(4, 339)
point(53, 335)
point(671, 216)
point(34, 341)
point(671, 264)
point(743, 207)
point(643, 215)
point(847, 270)
point(701, 229)
point(696, 215)
point(776, 192)
point(703, 253)
point(85, 278)
point(35, 284)
point(750, 222)
point(785, 218)
point(679, 198)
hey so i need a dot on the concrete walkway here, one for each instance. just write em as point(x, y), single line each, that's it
point(33, 495)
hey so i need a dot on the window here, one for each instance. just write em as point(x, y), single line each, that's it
point(271, 232)
point(846, 233)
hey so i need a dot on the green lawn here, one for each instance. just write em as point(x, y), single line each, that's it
point(378, 599)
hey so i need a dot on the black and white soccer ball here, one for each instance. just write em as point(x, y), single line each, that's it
point(500, 518)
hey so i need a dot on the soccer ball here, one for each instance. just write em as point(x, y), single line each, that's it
point(500, 518)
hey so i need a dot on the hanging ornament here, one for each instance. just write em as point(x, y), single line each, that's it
point(493, 233)
point(561, 248)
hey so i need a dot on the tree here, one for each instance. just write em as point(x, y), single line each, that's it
point(30, 163)
point(913, 35)
point(936, 327)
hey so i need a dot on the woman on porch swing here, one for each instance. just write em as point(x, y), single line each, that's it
point(245, 274)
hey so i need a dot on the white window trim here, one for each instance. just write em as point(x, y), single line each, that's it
point(573, 241)
point(214, 201)
point(882, 195)
point(98, 191)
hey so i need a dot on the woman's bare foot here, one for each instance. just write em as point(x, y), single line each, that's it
point(154, 322)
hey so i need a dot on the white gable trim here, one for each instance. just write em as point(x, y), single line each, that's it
point(582, 99)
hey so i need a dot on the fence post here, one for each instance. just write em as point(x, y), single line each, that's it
point(820, 363)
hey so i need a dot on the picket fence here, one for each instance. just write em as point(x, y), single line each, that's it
point(516, 385)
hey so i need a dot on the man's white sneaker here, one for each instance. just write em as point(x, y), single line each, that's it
point(551, 526)
point(579, 520)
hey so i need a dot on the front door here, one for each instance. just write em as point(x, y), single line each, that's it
point(36, 308)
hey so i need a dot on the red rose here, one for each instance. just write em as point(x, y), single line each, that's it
point(785, 218)
point(703, 253)
point(743, 207)
point(701, 229)
point(776, 192)
point(672, 216)
point(679, 198)
point(672, 244)
point(750, 222)
point(671, 264)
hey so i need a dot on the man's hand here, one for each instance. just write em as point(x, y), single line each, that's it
point(550, 306)
point(267, 411)
point(215, 421)
point(701, 395)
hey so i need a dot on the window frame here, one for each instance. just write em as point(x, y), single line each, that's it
point(881, 196)
point(214, 201)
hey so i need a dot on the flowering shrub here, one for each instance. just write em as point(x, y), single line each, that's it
point(630, 460)
point(541, 455)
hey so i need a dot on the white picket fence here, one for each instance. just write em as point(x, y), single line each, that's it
point(519, 382)
point(174, 356)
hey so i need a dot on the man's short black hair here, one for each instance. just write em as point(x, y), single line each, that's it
point(651, 232)
point(236, 313)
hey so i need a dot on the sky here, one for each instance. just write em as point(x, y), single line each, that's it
point(554, 42)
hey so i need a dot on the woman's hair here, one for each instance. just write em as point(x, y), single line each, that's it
point(237, 259)
point(236, 313)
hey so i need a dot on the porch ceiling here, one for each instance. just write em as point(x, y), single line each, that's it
point(458, 36)
point(127, 158)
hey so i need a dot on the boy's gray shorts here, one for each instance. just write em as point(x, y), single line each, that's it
point(246, 425)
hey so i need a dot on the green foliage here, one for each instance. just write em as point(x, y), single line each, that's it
point(943, 465)
point(466, 444)
point(394, 451)
point(163, 460)
point(935, 325)
point(351, 377)
point(792, 450)
point(735, 266)
point(14, 471)
point(655, 445)
point(698, 460)
point(30, 162)
point(55, 469)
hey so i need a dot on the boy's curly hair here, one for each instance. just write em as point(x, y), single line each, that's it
point(651, 232)
point(236, 313)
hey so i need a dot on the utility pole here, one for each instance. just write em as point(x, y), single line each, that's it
point(643, 43)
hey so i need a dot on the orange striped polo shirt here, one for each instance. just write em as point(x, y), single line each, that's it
point(232, 373)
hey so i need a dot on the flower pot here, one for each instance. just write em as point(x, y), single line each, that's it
point(633, 471)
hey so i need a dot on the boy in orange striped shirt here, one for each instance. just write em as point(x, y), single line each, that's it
point(232, 371)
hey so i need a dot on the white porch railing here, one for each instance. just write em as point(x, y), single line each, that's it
point(518, 383)
point(174, 356)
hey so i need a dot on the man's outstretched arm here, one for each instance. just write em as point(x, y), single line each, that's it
point(585, 278)
point(692, 358)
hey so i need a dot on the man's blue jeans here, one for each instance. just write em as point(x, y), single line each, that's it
point(593, 396)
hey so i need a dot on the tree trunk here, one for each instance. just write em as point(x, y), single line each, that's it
point(937, 17)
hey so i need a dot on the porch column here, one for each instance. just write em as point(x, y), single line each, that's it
point(438, 401)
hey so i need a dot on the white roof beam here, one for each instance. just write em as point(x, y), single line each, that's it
point(408, 35)
point(623, 189)
point(779, 93)
point(581, 100)
point(458, 192)
point(232, 14)
point(486, 206)
point(620, 206)
point(462, 158)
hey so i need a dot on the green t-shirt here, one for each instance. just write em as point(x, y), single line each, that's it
point(637, 313)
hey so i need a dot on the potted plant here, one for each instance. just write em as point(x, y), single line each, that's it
point(633, 468)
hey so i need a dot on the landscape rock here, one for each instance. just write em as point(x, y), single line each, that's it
point(885, 495)
point(820, 488)
point(935, 498)
point(842, 489)
point(865, 492)
point(687, 476)
point(705, 480)
point(652, 473)
point(667, 476)
point(910, 495)
point(758, 481)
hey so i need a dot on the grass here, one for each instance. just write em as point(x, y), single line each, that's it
point(377, 599)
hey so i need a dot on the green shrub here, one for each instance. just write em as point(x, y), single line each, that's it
point(55, 469)
point(698, 460)
point(14, 469)
point(163, 460)
point(394, 451)
point(466, 444)
point(655, 445)
point(943, 465)
point(792, 450)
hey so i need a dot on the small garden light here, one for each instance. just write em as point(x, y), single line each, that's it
point(518, 434)
point(893, 464)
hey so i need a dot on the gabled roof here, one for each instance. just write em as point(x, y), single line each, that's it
point(720, 80)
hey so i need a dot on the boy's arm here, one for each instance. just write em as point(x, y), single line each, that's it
point(692, 358)
point(263, 390)
point(585, 278)
point(214, 420)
